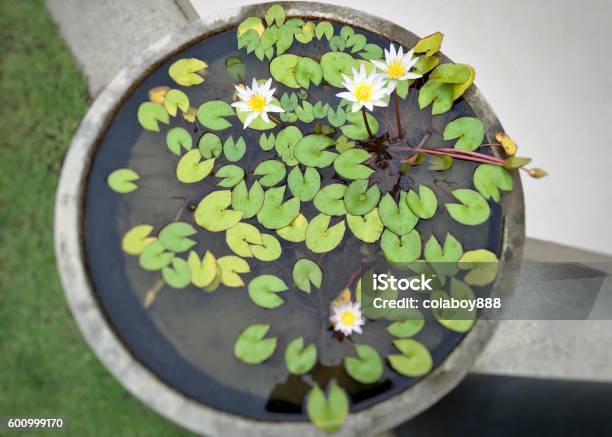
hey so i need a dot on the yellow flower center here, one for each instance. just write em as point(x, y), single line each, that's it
point(348, 318)
point(396, 69)
point(257, 103)
point(363, 92)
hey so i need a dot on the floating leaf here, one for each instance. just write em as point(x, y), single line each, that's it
point(306, 34)
point(283, 69)
point(296, 231)
point(356, 130)
point(178, 137)
point(135, 240)
point(473, 209)
point(306, 272)
point(250, 23)
point(397, 216)
point(249, 202)
point(460, 88)
point(305, 185)
point(368, 227)
point(234, 151)
point(414, 361)
point(440, 163)
point(310, 151)
point(320, 237)
point(263, 289)
point(285, 39)
point(349, 164)
point(469, 130)
point(409, 327)
point(299, 359)
point(516, 162)
point(191, 168)
point(158, 94)
point(269, 250)
point(305, 113)
point(212, 213)
point(269, 38)
point(329, 199)
point(150, 114)
point(251, 347)
point(122, 180)
point(424, 65)
point(211, 114)
point(334, 64)
point(271, 171)
point(371, 51)
point(249, 40)
point(324, 28)
point(320, 110)
point(240, 237)
point(230, 175)
point(489, 179)
point(267, 142)
point(451, 253)
point(285, 143)
point(275, 213)
point(429, 44)
point(483, 265)
point(308, 70)
point(327, 414)
point(438, 93)
point(336, 43)
point(359, 199)
point(175, 100)
point(235, 67)
point(231, 268)
point(174, 236)
point(451, 73)
point(215, 282)
point(210, 145)
point(358, 42)
point(401, 250)
point(424, 204)
point(177, 276)
point(343, 144)
point(336, 118)
point(458, 320)
point(507, 143)
point(367, 368)
point(184, 71)
point(154, 256)
point(202, 272)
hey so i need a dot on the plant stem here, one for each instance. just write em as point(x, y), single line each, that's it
point(481, 158)
point(365, 121)
point(475, 154)
point(276, 121)
point(397, 114)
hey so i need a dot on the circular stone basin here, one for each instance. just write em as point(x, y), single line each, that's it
point(174, 348)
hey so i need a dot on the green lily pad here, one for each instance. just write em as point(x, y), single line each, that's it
point(329, 199)
point(203, 272)
point(334, 64)
point(251, 347)
point(371, 51)
point(215, 282)
point(473, 209)
point(248, 201)
point(283, 69)
point(175, 100)
point(336, 118)
point(324, 28)
point(174, 236)
point(424, 204)
point(230, 175)
point(285, 39)
point(468, 130)
point(397, 217)
point(289, 101)
point(460, 320)
point(305, 185)
point(451, 253)
point(320, 110)
point(285, 143)
point(296, 231)
point(241, 236)
point(483, 267)
point(178, 138)
point(356, 129)
point(408, 327)
point(231, 268)
point(210, 146)
point(275, 213)
point(191, 169)
point(154, 256)
point(438, 93)
point(178, 275)
point(306, 272)
point(299, 359)
point(357, 42)
point(305, 113)
point(327, 413)
point(310, 151)
point(235, 67)
point(249, 39)
point(271, 171)
point(213, 214)
point(516, 162)
point(367, 228)
point(349, 164)
point(150, 114)
point(308, 70)
point(234, 150)
point(440, 163)
point(122, 180)
point(184, 71)
point(263, 291)
point(343, 144)
point(429, 44)
point(367, 368)
point(451, 73)
point(359, 199)
point(135, 240)
point(414, 361)
point(212, 114)
point(275, 14)
point(267, 141)
point(401, 250)
point(269, 250)
point(489, 179)
point(320, 237)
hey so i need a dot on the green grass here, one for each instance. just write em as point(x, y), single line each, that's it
point(45, 367)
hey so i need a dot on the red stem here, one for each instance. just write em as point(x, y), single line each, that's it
point(365, 121)
point(397, 114)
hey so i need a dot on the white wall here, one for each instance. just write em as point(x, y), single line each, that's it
point(546, 68)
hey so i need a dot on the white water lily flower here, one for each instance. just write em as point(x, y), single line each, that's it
point(364, 90)
point(397, 65)
point(346, 318)
point(256, 101)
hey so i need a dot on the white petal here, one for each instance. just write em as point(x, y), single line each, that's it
point(346, 95)
point(264, 116)
point(273, 108)
point(356, 107)
point(379, 64)
point(358, 329)
point(368, 106)
point(413, 75)
point(379, 103)
point(254, 86)
point(267, 85)
point(249, 119)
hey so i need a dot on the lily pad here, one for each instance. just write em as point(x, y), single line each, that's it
point(308, 70)
point(451, 73)
point(191, 169)
point(178, 274)
point(483, 267)
point(424, 204)
point(414, 361)
point(122, 180)
point(276, 214)
point(438, 93)
point(251, 347)
point(184, 71)
point(285, 39)
point(285, 144)
point(275, 14)
point(154, 256)
point(299, 359)
point(306, 272)
point(283, 69)
point(367, 228)
point(231, 268)
point(241, 236)
point(230, 175)
point(408, 327)
point(212, 114)
point(468, 130)
point(356, 129)
point(324, 28)
point(135, 240)
point(271, 171)
point(473, 209)
point(359, 199)
point(296, 231)
point(150, 114)
point(247, 201)
point(429, 44)
point(305, 113)
point(320, 237)
point(267, 141)
point(451, 253)
point(305, 185)
point(235, 67)
point(310, 151)
point(489, 179)
point(349, 164)
point(174, 236)
point(336, 118)
point(263, 291)
point(210, 145)
point(175, 100)
point(367, 368)
point(203, 272)
point(334, 64)
point(460, 320)
point(178, 138)
point(269, 250)
point(327, 413)
point(397, 217)
point(401, 250)
point(234, 150)
point(213, 214)
point(329, 199)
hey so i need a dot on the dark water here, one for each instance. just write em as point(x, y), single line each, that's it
point(186, 337)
